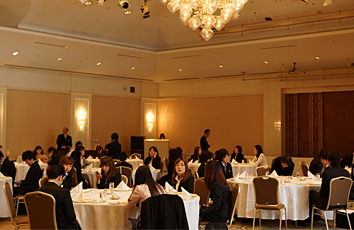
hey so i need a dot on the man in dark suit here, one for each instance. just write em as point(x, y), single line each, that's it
point(347, 160)
point(30, 183)
point(7, 168)
point(114, 148)
point(203, 140)
point(224, 157)
point(64, 140)
point(65, 214)
point(283, 165)
point(123, 157)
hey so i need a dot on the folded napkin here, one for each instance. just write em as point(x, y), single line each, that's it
point(89, 158)
point(236, 177)
point(190, 162)
point(40, 161)
point(1, 175)
point(88, 168)
point(310, 175)
point(274, 174)
point(185, 192)
point(169, 188)
point(152, 168)
point(234, 162)
point(243, 174)
point(77, 193)
point(122, 186)
point(348, 169)
point(96, 157)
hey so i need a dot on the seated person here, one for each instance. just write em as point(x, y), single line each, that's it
point(347, 160)
point(100, 151)
point(69, 177)
point(123, 157)
point(324, 162)
point(109, 173)
point(7, 167)
point(64, 209)
point(30, 183)
point(220, 194)
point(237, 154)
point(182, 177)
point(153, 159)
point(223, 157)
point(145, 187)
point(55, 157)
point(172, 157)
point(259, 159)
point(197, 152)
point(38, 151)
point(283, 165)
point(316, 164)
point(204, 159)
point(77, 157)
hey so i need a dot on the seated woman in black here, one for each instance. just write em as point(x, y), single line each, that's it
point(153, 159)
point(55, 157)
point(220, 194)
point(77, 156)
point(172, 157)
point(237, 154)
point(197, 152)
point(223, 157)
point(69, 177)
point(108, 174)
point(182, 177)
point(204, 159)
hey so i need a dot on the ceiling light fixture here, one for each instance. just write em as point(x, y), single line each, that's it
point(317, 57)
point(60, 59)
point(99, 63)
point(328, 2)
point(86, 2)
point(133, 68)
point(15, 53)
point(127, 12)
point(180, 70)
point(221, 66)
point(200, 13)
point(266, 62)
point(305, 1)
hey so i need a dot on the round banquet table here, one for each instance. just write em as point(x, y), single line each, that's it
point(294, 195)
point(94, 161)
point(113, 215)
point(136, 163)
point(4, 210)
point(22, 169)
point(236, 168)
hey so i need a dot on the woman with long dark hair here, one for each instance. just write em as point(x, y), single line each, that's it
point(182, 177)
point(237, 154)
point(145, 187)
point(69, 177)
point(220, 194)
point(153, 159)
point(77, 156)
point(38, 151)
point(172, 157)
point(197, 152)
point(259, 159)
point(55, 157)
point(108, 174)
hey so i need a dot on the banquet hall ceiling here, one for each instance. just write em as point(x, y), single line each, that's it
point(160, 48)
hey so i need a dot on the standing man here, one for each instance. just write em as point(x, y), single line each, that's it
point(64, 140)
point(114, 148)
point(203, 141)
point(64, 209)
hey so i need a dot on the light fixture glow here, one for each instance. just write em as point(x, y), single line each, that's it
point(266, 62)
point(180, 70)
point(81, 116)
point(133, 67)
point(127, 12)
point(99, 63)
point(60, 58)
point(15, 53)
point(150, 121)
point(86, 2)
point(221, 66)
point(317, 57)
point(277, 125)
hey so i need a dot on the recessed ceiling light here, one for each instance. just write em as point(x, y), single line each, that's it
point(86, 2)
point(221, 66)
point(60, 58)
point(317, 57)
point(127, 12)
point(266, 62)
point(15, 53)
point(99, 63)
point(133, 67)
point(180, 70)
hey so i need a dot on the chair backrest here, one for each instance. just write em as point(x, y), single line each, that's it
point(201, 190)
point(234, 196)
point(304, 168)
point(189, 159)
point(41, 210)
point(138, 155)
point(75, 176)
point(166, 163)
point(10, 201)
point(266, 190)
point(161, 167)
point(126, 171)
point(125, 179)
point(42, 181)
point(339, 191)
point(261, 171)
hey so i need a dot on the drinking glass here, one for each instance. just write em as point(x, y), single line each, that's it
point(111, 186)
point(318, 176)
point(104, 196)
point(298, 175)
point(243, 161)
point(267, 173)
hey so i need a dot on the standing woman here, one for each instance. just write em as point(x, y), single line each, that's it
point(220, 194)
point(197, 152)
point(145, 187)
point(108, 174)
point(260, 158)
point(69, 177)
point(182, 177)
point(237, 154)
point(153, 159)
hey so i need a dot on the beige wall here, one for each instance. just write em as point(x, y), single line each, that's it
point(115, 114)
point(236, 120)
point(35, 118)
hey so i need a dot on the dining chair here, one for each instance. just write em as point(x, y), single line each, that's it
point(126, 171)
point(189, 159)
point(75, 176)
point(125, 179)
point(339, 191)
point(41, 210)
point(261, 171)
point(42, 181)
point(18, 222)
point(304, 168)
point(166, 163)
point(234, 198)
point(161, 167)
point(202, 191)
point(266, 194)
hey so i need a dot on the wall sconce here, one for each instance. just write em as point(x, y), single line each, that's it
point(81, 116)
point(150, 121)
point(277, 125)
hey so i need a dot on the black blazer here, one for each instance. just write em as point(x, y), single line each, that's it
point(201, 170)
point(125, 164)
point(105, 183)
point(239, 157)
point(114, 148)
point(61, 141)
point(67, 182)
point(156, 162)
point(78, 168)
point(288, 171)
point(65, 214)
point(219, 210)
point(204, 143)
point(30, 183)
point(188, 184)
point(228, 172)
point(54, 160)
point(8, 169)
point(316, 165)
point(347, 161)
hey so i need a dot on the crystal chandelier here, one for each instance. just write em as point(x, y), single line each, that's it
point(200, 13)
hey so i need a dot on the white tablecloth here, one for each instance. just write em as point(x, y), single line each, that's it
point(114, 215)
point(239, 168)
point(136, 163)
point(22, 169)
point(94, 161)
point(4, 210)
point(294, 195)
